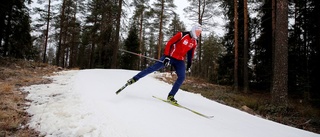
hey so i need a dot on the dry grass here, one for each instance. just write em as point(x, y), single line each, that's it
point(14, 74)
point(300, 115)
point(6, 88)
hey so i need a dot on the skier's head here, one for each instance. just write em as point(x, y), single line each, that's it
point(196, 30)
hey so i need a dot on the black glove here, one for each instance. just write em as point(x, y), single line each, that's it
point(166, 61)
point(188, 69)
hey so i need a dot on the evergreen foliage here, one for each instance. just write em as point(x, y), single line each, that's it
point(130, 61)
point(15, 37)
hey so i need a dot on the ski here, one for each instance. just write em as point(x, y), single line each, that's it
point(180, 106)
point(124, 86)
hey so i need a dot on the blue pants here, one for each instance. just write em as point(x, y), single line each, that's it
point(178, 65)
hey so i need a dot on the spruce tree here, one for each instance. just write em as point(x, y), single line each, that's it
point(131, 44)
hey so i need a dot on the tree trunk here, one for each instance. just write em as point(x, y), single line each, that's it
point(280, 68)
point(47, 33)
point(273, 26)
point(199, 46)
point(91, 61)
point(6, 49)
point(235, 45)
point(74, 39)
point(141, 38)
point(245, 49)
point(60, 33)
point(116, 44)
point(3, 18)
point(160, 29)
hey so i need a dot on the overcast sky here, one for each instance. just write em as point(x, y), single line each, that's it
point(218, 30)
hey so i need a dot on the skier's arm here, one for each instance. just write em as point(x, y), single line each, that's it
point(189, 57)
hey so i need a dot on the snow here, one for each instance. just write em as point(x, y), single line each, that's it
point(83, 103)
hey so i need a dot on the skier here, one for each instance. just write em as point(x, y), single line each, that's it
point(175, 51)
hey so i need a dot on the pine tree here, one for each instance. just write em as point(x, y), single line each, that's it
point(116, 43)
point(162, 10)
point(42, 26)
point(176, 25)
point(226, 62)
point(236, 46)
point(280, 68)
point(141, 17)
point(245, 47)
point(201, 11)
point(130, 61)
point(263, 50)
point(15, 30)
point(212, 49)
point(315, 54)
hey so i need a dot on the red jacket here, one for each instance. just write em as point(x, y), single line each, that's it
point(179, 45)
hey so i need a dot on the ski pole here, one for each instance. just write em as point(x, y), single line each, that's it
point(140, 55)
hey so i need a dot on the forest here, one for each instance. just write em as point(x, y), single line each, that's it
point(269, 46)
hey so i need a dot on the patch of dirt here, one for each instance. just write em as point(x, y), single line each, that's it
point(14, 74)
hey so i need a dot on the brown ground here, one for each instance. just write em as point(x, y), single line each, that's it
point(13, 75)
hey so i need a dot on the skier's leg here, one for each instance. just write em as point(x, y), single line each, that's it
point(180, 70)
point(155, 67)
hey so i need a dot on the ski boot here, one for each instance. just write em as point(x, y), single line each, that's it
point(171, 99)
point(131, 81)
